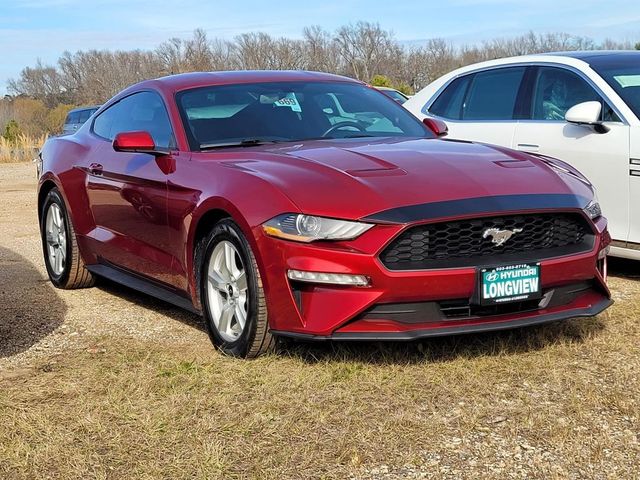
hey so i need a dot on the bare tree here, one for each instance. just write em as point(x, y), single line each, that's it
point(222, 55)
point(363, 51)
point(363, 47)
point(194, 54)
point(320, 50)
point(42, 82)
point(96, 75)
point(171, 56)
point(198, 52)
point(254, 51)
point(424, 64)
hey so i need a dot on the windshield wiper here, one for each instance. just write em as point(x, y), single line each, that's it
point(247, 142)
point(252, 142)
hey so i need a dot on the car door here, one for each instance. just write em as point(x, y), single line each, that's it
point(634, 188)
point(481, 106)
point(128, 191)
point(602, 157)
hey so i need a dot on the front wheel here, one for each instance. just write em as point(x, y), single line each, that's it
point(233, 302)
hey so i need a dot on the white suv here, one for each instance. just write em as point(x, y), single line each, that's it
point(580, 107)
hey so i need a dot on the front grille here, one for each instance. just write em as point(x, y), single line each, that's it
point(461, 243)
point(553, 297)
point(452, 310)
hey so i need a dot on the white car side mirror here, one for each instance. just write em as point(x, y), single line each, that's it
point(586, 113)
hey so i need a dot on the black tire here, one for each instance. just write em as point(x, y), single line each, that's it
point(74, 273)
point(255, 339)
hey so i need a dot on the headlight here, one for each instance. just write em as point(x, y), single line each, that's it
point(307, 228)
point(593, 210)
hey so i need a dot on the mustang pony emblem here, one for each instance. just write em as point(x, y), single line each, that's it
point(499, 237)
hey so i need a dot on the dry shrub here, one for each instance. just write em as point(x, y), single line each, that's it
point(23, 149)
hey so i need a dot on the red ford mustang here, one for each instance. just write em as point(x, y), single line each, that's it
point(312, 206)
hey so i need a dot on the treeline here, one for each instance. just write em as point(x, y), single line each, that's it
point(364, 51)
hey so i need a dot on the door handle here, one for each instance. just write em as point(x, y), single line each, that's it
point(95, 169)
point(530, 147)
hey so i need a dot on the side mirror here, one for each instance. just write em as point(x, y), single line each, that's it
point(438, 127)
point(138, 142)
point(588, 114)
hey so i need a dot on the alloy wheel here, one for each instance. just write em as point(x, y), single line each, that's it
point(227, 290)
point(56, 238)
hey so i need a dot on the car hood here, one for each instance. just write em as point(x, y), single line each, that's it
point(357, 178)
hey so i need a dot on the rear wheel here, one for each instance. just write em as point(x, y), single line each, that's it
point(61, 254)
point(232, 296)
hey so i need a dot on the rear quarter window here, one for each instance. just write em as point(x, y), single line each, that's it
point(72, 118)
point(449, 103)
point(84, 116)
point(144, 111)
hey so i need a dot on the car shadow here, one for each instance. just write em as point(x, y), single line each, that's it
point(624, 268)
point(151, 303)
point(431, 350)
point(30, 308)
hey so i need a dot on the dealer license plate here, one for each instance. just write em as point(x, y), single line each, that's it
point(513, 283)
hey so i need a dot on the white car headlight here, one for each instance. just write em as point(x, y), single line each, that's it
point(593, 209)
point(308, 228)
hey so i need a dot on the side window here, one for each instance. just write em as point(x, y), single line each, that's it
point(72, 118)
point(341, 107)
point(449, 102)
point(492, 94)
point(140, 111)
point(556, 90)
point(327, 104)
point(84, 116)
point(608, 113)
point(350, 104)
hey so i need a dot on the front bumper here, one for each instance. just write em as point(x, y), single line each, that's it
point(481, 326)
point(317, 311)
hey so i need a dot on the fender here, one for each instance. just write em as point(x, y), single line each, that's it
point(209, 205)
point(248, 227)
point(56, 155)
point(273, 200)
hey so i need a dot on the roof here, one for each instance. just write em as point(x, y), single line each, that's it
point(604, 58)
point(578, 59)
point(200, 79)
point(89, 107)
point(587, 55)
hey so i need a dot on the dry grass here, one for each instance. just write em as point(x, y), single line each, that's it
point(23, 149)
point(109, 384)
point(552, 402)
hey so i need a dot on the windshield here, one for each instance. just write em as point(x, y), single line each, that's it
point(624, 78)
point(250, 114)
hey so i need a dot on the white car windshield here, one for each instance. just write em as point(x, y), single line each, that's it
point(624, 78)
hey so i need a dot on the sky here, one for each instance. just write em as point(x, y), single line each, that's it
point(43, 29)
